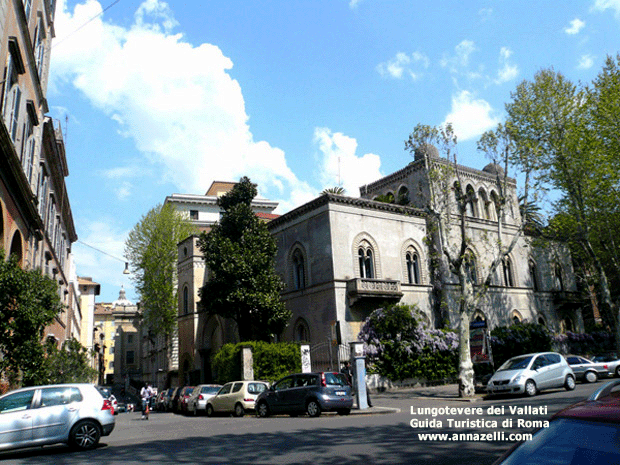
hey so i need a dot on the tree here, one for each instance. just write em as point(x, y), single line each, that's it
point(239, 253)
point(68, 364)
point(568, 133)
point(448, 211)
point(338, 190)
point(151, 249)
point(29, 301)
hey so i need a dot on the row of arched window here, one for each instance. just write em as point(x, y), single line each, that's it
point(412, 268)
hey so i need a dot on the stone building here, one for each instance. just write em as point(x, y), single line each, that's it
point(201, 336)
point(36, 224)
point(343, 257)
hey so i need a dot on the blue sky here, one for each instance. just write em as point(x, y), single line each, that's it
point(158, 98)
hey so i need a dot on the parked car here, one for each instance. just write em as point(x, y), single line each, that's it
point(237, 397)
point(184, 394)
point(586, 370)
point(531, 373)
point(197, 402)
point(612, 361)
point(76, 414)
point(586, 432)
point(106, 393)
point(162, 399)
point(172, 400)
point(312, 393)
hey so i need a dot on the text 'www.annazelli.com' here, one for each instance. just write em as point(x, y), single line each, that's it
point(499, 436)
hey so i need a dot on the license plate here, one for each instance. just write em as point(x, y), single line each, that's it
point(341, 393)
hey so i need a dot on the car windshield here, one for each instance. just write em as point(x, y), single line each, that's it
point(517, 363)
point(571, 442)
point(210, 389)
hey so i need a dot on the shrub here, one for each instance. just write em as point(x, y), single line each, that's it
point(596, 342)
point(271, 360)
point(399, 346)
point(518, 339)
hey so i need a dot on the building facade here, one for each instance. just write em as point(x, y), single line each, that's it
point(36, 224)
point(200, 336)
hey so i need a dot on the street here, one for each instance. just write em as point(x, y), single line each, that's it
point(330, 439)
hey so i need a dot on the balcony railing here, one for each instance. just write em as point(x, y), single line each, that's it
point(362, 288)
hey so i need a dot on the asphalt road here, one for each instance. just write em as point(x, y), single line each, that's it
point(330, 439)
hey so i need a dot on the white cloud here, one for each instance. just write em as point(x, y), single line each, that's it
point(402, 64)
point(602, 5)
point(576, 25)
point(339, 162)
point(176, 101)
point(485, 13)
point(586, 62)
point(470, 117)
point(353, 3)
point(460, 59)
point(508, 71)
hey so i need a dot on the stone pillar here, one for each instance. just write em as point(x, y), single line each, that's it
point(306, 363)
point(358, 361)
point(247, 364)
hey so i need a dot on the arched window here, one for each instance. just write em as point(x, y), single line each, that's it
point(471, 206)
point(516, 317)
point(541, 321)
point(494, 206)
point(299, 272)
point(403, 196)
point(507, 268)
point(301, 332)
point(470, 267)
point(559, 283)
point(533, 275)
point(484, 202)
point(185, 300)
point(366, 261)
point(16, 247)
point(413, 267)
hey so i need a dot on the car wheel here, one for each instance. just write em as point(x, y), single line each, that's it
point(313, 409)
point(85, 435)
point(591, 377)
point(618, 371)
point(262, 410)
point(209, 410)
point(239, 410)
point(569, 384)
point(344, 411)
point(530, 388)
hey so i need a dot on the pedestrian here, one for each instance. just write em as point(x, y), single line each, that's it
point(346, 371)
point(145, 393)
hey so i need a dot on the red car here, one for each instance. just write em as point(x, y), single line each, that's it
point(587, 432)
point(186, 392)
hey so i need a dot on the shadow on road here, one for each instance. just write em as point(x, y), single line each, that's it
point(366, 445)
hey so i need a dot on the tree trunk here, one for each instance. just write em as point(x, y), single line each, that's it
point(466, 367)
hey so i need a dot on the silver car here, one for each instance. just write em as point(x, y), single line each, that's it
point(587, 370)
point(532, 373)
point(197, 402)
point(75, 414)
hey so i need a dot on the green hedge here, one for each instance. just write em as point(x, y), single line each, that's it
point(272, 361)
point(519, 339)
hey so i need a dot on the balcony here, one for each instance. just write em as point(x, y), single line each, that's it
point(364, 288)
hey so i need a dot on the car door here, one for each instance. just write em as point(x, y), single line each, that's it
point(300, 388)
point(555, 370)
point(16, 419)
point(540, 365)
point(219, 401)
point(278, 397)
point(55, 413)
point(577, 366)
point(233, 397)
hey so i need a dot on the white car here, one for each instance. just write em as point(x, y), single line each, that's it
point(197, 402)
point(530, 373)
point(75, 414)
point(236, 397)
point(612, 361)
